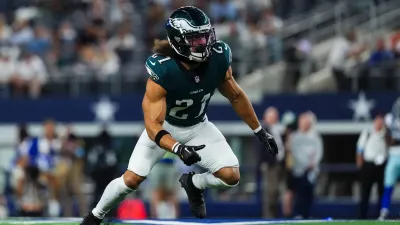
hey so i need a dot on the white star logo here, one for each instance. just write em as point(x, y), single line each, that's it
point(105, 109)
point(362, 107)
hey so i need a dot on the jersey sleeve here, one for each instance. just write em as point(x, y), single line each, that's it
point(155, 70)
point(225, 54)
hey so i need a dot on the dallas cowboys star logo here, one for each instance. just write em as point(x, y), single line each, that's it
point(104, 109)
point(362, 107)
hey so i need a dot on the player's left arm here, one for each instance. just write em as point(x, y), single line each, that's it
point(244, 109)
point(239, 100)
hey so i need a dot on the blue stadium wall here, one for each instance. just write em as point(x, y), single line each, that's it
point(128, 108)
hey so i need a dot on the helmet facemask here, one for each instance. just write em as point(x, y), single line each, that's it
point(193, 44)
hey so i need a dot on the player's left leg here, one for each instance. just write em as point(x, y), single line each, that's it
point(218, 158)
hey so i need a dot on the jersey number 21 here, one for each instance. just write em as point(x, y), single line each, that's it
point(189, 102)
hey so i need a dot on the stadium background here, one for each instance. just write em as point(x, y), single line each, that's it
point(91, 80)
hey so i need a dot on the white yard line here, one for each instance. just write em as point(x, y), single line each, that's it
point(158, 222)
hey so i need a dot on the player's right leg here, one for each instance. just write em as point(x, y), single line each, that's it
point(145, 155)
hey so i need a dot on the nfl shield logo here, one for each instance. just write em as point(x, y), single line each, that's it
point(197, 79)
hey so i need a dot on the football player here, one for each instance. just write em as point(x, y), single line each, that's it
point(184, 73)
point(392, 170)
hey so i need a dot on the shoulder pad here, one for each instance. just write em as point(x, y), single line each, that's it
point(156, 69)
point(224, 52)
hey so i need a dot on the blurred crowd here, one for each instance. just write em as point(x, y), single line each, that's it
point(373, 66)
point(296, 167)
point(83, 47)
point(47, 176)
point(53, 41)
point(95, 46)
point(45, 167)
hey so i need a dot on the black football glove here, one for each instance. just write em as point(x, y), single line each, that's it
point(188, 154)
point(268, 141)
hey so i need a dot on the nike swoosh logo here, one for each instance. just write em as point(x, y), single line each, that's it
point(152, 63)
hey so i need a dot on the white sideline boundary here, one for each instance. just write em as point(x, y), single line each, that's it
point(158, 222)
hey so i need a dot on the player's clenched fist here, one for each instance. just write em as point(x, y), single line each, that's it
point(268, 141)
point(188, 154)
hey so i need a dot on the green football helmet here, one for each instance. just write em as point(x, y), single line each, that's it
point(190, 33)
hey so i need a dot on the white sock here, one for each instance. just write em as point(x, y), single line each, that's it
point(115, 192)
point(208, 180)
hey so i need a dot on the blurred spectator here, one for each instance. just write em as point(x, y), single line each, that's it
point(66, 49)
point(30, 193)
point(272, 166)
point(289, 119)
point(344, 48)
point(108, 63)
point(98, 9)
point(41, 43)
point(164, 177)
point(8, 68)
point(252, 42)
point(271, 25)
point(5, 30)
point(380, 55)
point(120, 11)
point(156, 19)
point(102, 162)
point(30, 76)
point(99, 61)
point(23, 135)
point(18, 164)
point(294, 59)
point(371, 160)
point(93, 33)
point(123, 43)
point(307, 150)
point(69, 172)
point(22, 32)
point(42, 152)
point(223, 9)
point(395, 44)
point(224, 29)
point(24, 140)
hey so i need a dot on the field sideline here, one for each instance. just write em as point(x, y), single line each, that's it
point(75, 221)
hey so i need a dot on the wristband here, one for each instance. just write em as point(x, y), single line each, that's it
point(257, 129)
point(159, 135)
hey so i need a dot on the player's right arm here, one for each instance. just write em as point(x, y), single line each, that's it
point(154, 109)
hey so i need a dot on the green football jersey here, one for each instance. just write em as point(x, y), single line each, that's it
point(189, 91)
